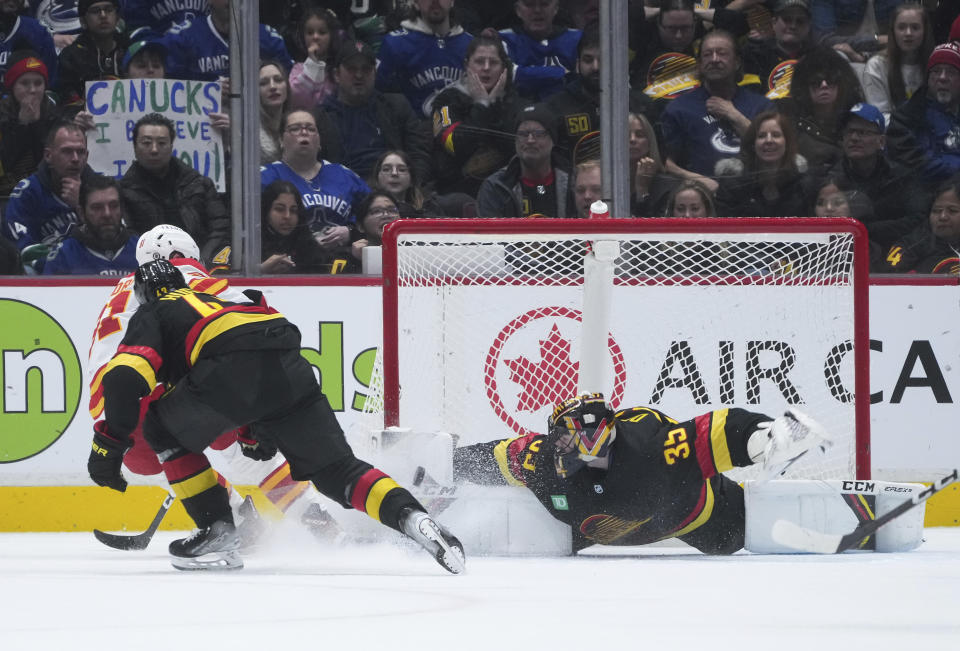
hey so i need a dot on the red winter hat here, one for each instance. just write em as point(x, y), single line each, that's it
point(20, 65)
point(955, 29)
point(947, 53)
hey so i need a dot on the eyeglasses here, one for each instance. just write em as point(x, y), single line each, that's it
point(105, 10)
point(383, 212)
point(860, 133)
point(398, 169)
point(538, 134)
point(299, 128)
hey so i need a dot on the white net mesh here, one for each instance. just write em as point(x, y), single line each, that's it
point(488, 330)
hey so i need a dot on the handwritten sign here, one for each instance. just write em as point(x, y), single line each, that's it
point(117, 105)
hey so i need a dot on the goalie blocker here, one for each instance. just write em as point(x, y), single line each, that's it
point(831, 507)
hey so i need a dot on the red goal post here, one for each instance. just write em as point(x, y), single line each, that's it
point(489, 322)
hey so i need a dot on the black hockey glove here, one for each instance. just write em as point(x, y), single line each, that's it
point(106, 458)
point(254, 447)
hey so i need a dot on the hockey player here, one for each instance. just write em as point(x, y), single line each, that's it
point(637, 476)
point(233, 364)
point(169, 242)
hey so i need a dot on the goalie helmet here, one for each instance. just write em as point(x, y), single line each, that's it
point(155, 279)
point(582, 430)
point(163, 241)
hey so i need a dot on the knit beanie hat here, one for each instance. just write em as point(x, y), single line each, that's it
point(947, 53)
point(83, 6)
point(22, 62)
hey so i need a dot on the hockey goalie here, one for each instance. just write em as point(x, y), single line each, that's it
point(638, 476)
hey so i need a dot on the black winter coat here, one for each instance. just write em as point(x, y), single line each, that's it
point(184, 198)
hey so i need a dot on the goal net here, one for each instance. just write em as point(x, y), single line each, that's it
point(489, 323)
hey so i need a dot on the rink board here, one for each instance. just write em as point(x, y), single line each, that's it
point(45, 430)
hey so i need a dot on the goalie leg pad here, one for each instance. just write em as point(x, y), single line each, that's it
point(832, 506)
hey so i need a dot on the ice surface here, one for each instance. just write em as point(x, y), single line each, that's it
point(67, 592)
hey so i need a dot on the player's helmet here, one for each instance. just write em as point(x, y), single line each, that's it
point(161, 242)
point(155, 279)
point(581, 429)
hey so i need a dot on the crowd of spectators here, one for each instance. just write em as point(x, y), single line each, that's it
point(412, 109)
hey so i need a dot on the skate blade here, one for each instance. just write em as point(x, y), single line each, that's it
point(215, 561)
point(449, 556)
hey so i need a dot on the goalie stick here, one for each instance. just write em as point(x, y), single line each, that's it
point(803, 539)
point(138, 541)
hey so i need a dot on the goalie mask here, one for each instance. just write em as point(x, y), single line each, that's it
point(155, 279)
point(165, 241)
point(581, 430)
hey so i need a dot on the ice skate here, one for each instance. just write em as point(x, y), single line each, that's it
point(441, 544)
point(321, 524)
point(789, 437)
point(251, 525)
point(216, 547)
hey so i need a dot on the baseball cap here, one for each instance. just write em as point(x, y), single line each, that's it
point(351, 49)
point(140, 46)
point(541, 114)
point(867, 112)
point(783, 5)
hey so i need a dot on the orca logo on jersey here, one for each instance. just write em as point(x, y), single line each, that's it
point(529, 368)
point(42, 381)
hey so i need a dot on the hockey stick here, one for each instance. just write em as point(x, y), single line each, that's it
point(803, 539)
point(137, 541)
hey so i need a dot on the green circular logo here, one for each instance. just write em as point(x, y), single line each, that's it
point(42, 381)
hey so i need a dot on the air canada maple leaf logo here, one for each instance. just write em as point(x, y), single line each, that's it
point(550, 379)
point(533, 364)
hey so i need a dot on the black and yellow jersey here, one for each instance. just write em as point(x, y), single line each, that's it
point(656, 486)
point(165, 339)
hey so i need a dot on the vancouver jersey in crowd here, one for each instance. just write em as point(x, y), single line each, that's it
point(60, 16)
point(329, 197)
point(38, 215)
point(120, 307)
point(419, 65)
point(542, 65)
point(72, 257)
point(28, 33)
point(161, 16)
point(663, 481)
point(198, 51)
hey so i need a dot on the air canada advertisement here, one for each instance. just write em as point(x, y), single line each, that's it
point(746, 358)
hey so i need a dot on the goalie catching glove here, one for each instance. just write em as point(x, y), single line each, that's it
point(254, 446)
point(106, 458)
point(778, 443)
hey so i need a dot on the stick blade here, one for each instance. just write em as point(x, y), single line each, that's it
point(124, 543)
point(792, 535)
